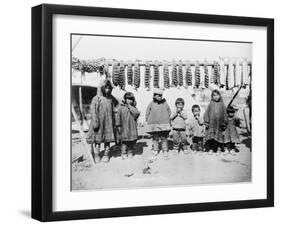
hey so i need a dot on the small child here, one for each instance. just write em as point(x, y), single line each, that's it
point(215, 119)
point(178, 118)
point(197, 129)
point(101, 129)
point(126, 123)
point(231, 136)
point(158, 120)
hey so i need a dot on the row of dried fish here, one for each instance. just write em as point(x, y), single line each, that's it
point(178, 75)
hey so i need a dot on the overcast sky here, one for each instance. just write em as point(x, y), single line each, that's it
point(123, 48)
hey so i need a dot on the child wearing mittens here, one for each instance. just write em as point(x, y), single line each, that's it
point(126, 123)
point(158, 121)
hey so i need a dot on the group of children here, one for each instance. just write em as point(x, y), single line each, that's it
point(116, 122)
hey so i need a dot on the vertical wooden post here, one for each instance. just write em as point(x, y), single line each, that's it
point(80, 104)
point(246, 122)
point(80, 97)
point(250, 105)
point(83, 139)
point(234, 74)
point(82, 117)
point(227, 77)
point(250, 75)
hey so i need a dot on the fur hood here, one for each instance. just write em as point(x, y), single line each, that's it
point(102, 84)
point(159, 102)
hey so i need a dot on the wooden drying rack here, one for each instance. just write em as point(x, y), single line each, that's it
point(171, 63)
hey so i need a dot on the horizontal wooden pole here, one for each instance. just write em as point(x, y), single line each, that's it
point(170, 63)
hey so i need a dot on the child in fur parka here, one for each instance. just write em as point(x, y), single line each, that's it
point(158, 121)
point(126, 123)
point(215, 119)
point(101, 129)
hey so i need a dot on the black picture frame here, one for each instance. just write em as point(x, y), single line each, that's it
point(42, 108)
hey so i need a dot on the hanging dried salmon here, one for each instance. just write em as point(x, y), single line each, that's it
point(174, 75)
point(122, 76)
point(130, 74)
point(180, 74)
point(188, 75)
point(115, 78)
point(147, 76)
point(166, 76)
point(156, 75)
point(206, 75)
point(197, 75)
point(136, 75)
point(216, 73)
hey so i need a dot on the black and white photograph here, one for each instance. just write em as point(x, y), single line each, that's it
point(159, 112)
point(143, 112)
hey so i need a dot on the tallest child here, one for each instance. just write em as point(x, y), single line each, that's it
point(101, 129)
